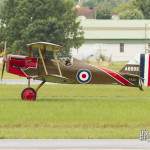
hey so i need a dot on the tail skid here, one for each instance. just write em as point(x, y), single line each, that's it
point(141, 85)
point(142, 71)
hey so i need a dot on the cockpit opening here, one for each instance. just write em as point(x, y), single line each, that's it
point(66, 61)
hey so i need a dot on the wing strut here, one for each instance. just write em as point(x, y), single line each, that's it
point(40, 53)
point(40, 85)
point(4, 60)
point(60, 73)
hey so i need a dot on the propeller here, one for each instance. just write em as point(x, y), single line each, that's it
point(4, 61)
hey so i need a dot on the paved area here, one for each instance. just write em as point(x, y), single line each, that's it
point(18, 81)
point(116, 144)
point(21, 82)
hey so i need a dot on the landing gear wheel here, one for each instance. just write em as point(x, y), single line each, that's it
point(28, 94)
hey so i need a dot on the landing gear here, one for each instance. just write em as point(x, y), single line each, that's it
point(28, 94)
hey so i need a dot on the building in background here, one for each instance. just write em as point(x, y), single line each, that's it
point(88, 13)
point(118, 40)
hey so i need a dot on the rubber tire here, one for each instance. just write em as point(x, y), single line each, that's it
point(28, 94)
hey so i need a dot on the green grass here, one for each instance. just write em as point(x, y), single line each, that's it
point(75, 111)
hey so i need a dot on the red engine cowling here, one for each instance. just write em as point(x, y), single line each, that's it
point(16, 64)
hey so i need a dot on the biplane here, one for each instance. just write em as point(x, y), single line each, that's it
point(42, 63)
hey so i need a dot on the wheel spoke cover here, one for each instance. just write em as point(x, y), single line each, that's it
point(28, 94)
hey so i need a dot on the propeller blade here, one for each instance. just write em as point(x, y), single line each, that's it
point(3, 68)
point(1, 54)
point(4, 60)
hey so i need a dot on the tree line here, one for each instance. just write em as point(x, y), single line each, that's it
point(27, 21)
point(125, 9)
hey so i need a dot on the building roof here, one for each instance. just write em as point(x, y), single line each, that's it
point(116, 29)
point(87, 12)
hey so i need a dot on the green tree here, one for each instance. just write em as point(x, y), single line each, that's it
point(144, 6)
point(41, 20)
point(1, 5)
point(124, 7)
point(103, 12)
point(104, 7)
point(110, 3)
point(128, 11)
point(91, 3)
point(131, 14)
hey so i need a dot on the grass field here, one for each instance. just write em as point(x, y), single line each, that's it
point(75, 111)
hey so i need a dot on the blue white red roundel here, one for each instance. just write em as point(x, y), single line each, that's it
point(84, 76)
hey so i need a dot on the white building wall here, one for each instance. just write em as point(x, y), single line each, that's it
point(130, 51)
point(111, 51)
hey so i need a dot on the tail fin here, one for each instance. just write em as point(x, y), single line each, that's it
point(130, 69)
point(131, 72)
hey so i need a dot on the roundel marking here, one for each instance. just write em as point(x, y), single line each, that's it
point(84, 76)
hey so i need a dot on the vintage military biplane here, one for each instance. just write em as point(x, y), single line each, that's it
point(42, 63)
